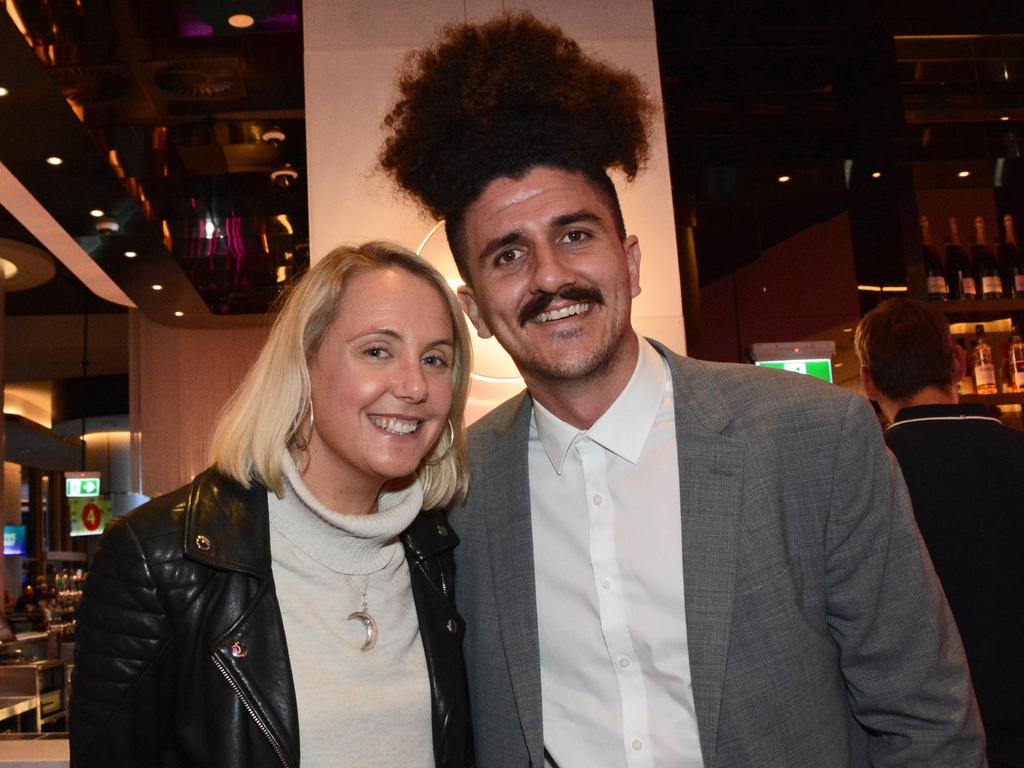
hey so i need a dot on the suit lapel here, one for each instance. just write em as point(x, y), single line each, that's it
point(710, 495)
point(510, 539)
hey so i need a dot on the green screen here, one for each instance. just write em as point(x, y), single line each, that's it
point(819, 369)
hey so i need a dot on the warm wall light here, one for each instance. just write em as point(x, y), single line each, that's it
point(1005, 117)
point(130, 254)
point(241, 20)
point(178, 313)
point(870, 288)
point(54, 160)
point(894, 289)
point(96, 213)
point(783, 179)
point(3, 91)
point(964, 174)
point(157, 287)
point(876, 175)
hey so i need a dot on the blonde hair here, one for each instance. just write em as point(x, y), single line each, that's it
point(267, 412)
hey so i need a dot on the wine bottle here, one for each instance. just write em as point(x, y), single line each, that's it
point(959, 275)
point(985, 263)
point(1011, 262)
point(1015, 356)
point(982, 364)
point(935, 278)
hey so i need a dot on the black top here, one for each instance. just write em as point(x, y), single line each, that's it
point(965, 472)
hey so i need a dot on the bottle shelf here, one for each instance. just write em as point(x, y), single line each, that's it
point(1002, 398)
point(981, 307)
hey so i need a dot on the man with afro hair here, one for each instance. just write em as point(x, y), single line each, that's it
point(664, 562)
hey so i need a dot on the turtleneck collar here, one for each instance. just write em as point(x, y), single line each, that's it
point(353, 544)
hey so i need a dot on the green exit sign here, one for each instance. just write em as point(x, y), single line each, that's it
point(79, 485)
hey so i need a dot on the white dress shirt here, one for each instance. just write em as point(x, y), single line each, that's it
point(615, 669)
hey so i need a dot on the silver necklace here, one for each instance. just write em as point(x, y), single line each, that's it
point(363, 615)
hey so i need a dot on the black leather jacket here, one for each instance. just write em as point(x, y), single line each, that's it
point(181, 658)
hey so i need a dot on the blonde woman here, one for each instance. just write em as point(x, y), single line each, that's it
point(296, 594)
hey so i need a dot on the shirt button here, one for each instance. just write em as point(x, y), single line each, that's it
point(598, 500)
point(623, 661)
point(606, 583)
point(637, 745)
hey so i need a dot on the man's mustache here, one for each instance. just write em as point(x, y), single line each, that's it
point(570, 293)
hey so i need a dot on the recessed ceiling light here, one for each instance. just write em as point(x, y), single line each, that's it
point(157, 287)
point(54, 160)
point(783, 179)
point(1005, 117)
point(876, 175)
point(130, 254)
point(273, 135)
point(847, 330)
point(178, 313)
point(3, 91)
point(241, 20)
point(96, 213)
point(964, 174)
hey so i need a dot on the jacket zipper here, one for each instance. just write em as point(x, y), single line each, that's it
point(252, 712)
point(444, 584)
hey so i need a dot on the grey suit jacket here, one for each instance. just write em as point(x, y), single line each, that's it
point(818, 634)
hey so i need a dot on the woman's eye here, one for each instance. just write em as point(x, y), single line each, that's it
point(435, 361)
point(376, 353)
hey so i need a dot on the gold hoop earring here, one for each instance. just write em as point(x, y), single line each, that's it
point(448, 448)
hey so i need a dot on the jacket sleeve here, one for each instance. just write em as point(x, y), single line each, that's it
point(120, 708)
point(900, 652)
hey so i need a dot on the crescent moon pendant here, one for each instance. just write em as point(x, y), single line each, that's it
point(369, 624)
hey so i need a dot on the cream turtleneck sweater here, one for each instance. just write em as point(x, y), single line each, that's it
point(360, 708)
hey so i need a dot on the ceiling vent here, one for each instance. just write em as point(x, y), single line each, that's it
point(199, 78)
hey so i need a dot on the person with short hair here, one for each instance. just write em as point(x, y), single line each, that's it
point(296, 592)
point(965, 473)
point(664, 561)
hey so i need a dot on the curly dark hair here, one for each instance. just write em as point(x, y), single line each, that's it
point(497, 99)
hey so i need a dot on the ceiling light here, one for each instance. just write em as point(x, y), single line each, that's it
point(273, 135)
point(876, 175)
point(106, 225)
point(1005, 117)
point(284, 176)
point(130, 254)
point(783, 179)
point(9, 268)
point(54, 160)
point(157, 287)
point(3, 91)
point(847, 330)
point(964, 174)
point(96, 213)
point(241, 20)
point(178, 313)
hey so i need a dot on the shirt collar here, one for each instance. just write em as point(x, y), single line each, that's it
point(624, 427)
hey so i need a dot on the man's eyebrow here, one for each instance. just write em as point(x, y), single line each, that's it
point(575, 217)
point(499, 242)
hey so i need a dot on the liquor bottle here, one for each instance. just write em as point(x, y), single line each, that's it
point(966, 385)
point(985, 263)
point(982, 364)
point(1011, 262)
point(1015, 357)
point(959, 275)
point(935, 278)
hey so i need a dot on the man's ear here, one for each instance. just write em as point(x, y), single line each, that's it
point(959, 364)
point(631, 245)
point(469, 306)
point(869, 385)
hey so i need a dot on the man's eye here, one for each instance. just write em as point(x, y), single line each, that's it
point(508, 256)
point(575, 236)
